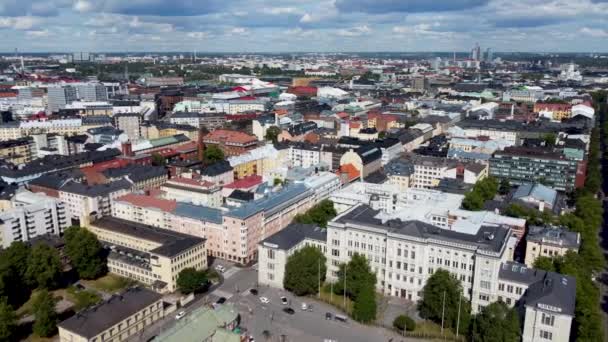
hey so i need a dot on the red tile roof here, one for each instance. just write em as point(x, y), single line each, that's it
point(245, 183)
point(145, 201)
point(350, 170)
point(229, 136)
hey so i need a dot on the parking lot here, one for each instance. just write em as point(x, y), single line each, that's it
point(312, 326)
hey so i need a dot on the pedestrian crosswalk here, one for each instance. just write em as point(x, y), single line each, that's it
point(230, 272)
point(221, 293)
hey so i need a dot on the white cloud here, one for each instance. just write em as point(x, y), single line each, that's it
point(280, 10)
point(83, 6)
point(355, 31)
point(238, 31)
point(19, 23)
point(198, 35)
point(38, 33)
point(594, 32)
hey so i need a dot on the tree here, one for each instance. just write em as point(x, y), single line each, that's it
point(43, 266)
point(319, 214)
point(277, 181)
point(13, 264)
point(544, 263)
point(496, 322)
point(483, 190)
point(472, 201)
point(212, 155)
point(303, 269)
point(505, 186)
point(364, 309)
point(272, 134)
point(550, 139)
point(403, 322)
point(158, 160)
point(190, 280)
point(359, 276)
point(8, 321)
point(43, 308)
point(432, 304)
point(85, 252)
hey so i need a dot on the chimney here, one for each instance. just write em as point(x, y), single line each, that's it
point(127, 149)
point(200, 144)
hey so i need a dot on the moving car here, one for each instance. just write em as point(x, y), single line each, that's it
point(221, 300)
point(284, 300)
point(341, 318)
point(328, 316)
point(304, 307)
point(253, 291)
point(289, 311)
point(264, 300)
point(220, 268)
point(180, 315)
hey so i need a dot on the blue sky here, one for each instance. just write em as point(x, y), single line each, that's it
point(303, 25)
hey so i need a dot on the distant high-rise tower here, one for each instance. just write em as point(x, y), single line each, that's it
point(489, 55)
point(476, 52)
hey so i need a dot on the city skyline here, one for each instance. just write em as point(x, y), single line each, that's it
point(303, 26)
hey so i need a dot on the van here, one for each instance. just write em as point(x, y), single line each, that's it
point(341, 318)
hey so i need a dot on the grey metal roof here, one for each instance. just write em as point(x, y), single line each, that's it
point(272, 201)
point(96, 319)
point(96, 190)
point(293, 234)
point(537, 191)
point(490, 238)
point(172, 243)
point(557, 236)
point(545, 288)
point(198, 212)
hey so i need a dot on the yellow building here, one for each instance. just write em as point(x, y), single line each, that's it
point(16, 151)
point(119, 318)
point(149, 255)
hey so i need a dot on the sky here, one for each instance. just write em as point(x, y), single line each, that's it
point(303, 25)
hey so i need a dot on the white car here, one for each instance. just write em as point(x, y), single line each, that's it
point(180, 315)
point(220, 268)
point(264, 300)
point(284, 300)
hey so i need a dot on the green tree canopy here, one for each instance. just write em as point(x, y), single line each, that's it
point(364, 309)
point(483, 190)
point(496, 323)
point(320, 214)
point(431, 306)
point(272, 134)
point(43, 308)
point(13, 266)
point(212, 154)
point(403, 322)
point(504, 187)
point(43, 267)
point(191, 280)
point(303, 269)
point(544, 263)
point(359, 276)
point(85, 252)
point(158, 160)
point(8, 321)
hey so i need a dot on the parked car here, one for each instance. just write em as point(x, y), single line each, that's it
point(180, 315)
point(329, 316)
point(264, 300)
point(341, 318)
point(220, 268)
point(253, 291)
point(289, 311)
point(284, 300)
point(304, 307)
point(221, 300)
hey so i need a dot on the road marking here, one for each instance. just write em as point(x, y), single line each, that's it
point(221, 293)
point(229, 273)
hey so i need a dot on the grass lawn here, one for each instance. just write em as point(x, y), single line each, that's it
point(81, 299)
point(336, 300)
point(428, 329)
point(109, 283)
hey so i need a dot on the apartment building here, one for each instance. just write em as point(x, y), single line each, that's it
point(550, 241)
point(210, 121)
point(31, 215)
point(130, 124)
point(16, 151)
point(71, 126)
point(399, 173)
point(193, 191)
point(232, 233)
point(118, 318)
point(142, 177)
point(553, 111)
point(82, 200)
point(147, 254)
point(545, 299)
point(274, 251)
point(261, 161)
point(429, 171)
point(522, 165)
point(232, 143)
